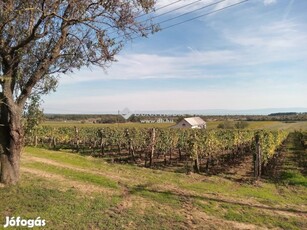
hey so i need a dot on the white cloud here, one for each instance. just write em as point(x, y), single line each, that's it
point(249, 47)
point(269, 2)
point(226, 4)
point(271, 43)
point(144, 66)
point(238, 98)
point(277, 41)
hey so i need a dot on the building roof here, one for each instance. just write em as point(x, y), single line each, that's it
point(195, 121)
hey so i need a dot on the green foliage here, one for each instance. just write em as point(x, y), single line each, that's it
point(241, 125)
point(293, 178)
point(226, 125)
point(233, 125)
point(134, 118)
point(195, 143)
point(269, 142)
point(33, 115)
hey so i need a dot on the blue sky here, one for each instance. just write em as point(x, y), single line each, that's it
point(250, 56)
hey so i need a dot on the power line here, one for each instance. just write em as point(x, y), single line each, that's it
point(160, 8)
point(181, 15)
point(201, 8)
point(203, 15)
point(160, 15)
point(178, 8)
point(191, 19)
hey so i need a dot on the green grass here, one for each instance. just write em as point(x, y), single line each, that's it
point(267, 192)
point(163, 197)
point(277, 125)
point(74, 174)
point(249, 214)
point(68, 158)
point(144, 198)
point(295, 163)
point(294, 178)
point(71, 209)
point(124, 171)
point(61, 209)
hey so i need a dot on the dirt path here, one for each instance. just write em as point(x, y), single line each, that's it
point(68, 183)
point(63, 165)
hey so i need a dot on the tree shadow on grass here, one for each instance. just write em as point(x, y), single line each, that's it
point(180, 195)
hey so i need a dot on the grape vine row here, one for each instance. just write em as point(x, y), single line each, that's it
point(198, 149)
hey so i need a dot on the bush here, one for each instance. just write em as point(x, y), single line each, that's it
point(241, 125)
point(226, 125)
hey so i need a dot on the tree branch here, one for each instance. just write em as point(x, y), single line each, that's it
point(30, 38)
point(43, 67)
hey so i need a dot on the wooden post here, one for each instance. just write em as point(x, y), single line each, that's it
point(54, 142)
point(130, 145)
point(153, 140)
point(101, 132)
point(257, 159)
point(196, 164)
point(77, 141)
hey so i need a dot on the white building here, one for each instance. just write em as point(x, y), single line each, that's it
point(191, 123)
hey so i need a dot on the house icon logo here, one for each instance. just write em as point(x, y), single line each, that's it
point(125, 113)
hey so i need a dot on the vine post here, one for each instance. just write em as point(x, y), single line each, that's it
point(77, 140)
point(257, 157)
point(152, 150)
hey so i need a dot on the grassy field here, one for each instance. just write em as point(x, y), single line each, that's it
point(271, 125)
point(73, 191)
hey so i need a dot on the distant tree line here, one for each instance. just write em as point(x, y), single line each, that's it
point(94, 118)
point(113, 118)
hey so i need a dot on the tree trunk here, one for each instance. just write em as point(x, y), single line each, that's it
point(11, 142)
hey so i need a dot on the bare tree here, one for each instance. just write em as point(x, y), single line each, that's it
point(41, 39)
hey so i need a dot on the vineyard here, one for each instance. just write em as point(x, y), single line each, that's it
point(194, 150)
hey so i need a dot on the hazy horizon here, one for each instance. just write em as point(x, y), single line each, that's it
point(264, 111)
